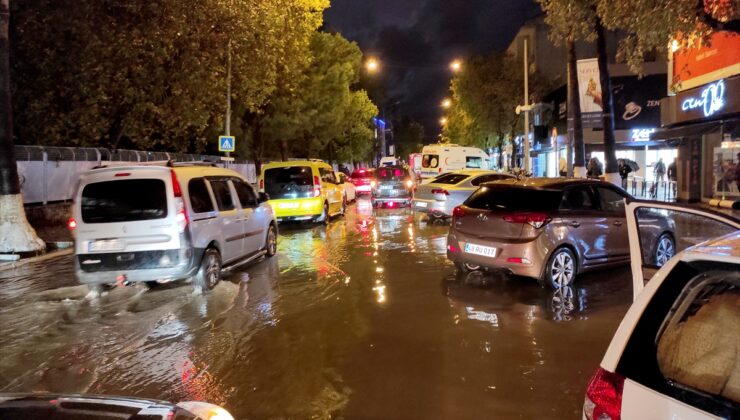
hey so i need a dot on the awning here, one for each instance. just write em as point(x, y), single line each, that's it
point(693, 130)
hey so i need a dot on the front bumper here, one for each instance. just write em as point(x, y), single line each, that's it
point(297, 208)
point(530, 251)
point(106, 268)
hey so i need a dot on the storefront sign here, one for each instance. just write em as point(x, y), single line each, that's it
point(710, 100)
point(719, 59)
point(589, 92)
point(695, 169)
point(705, 103)
point(641, 134)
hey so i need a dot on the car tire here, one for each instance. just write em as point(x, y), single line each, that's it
point(271, 241)
point(209, 273)
point(324, 218)
point(560, 270)
point(344, 205)
point(665, 249)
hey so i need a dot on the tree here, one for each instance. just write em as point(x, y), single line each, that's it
point(653, 25)
point(409, 137)
point(572, 20)
point(16, 235)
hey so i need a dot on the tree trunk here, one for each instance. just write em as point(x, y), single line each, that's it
point(284, 150)
point(575, 126)
point(16, 235)
point(607, 117)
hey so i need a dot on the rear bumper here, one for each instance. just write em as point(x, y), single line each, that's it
point(297, 208)
point(138, 271)
point(531, 251)
point(434, 207)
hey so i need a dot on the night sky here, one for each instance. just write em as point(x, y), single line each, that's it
point(415, 41)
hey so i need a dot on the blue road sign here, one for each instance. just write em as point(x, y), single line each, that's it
point(226, 143)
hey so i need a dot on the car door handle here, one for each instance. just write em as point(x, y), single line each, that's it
point(574, 223)
point(618, 223)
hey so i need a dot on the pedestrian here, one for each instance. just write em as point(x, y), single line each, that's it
point(563, 166)
point(624, 171)
point(594, 168)
point(659, 170)
point(673, 175)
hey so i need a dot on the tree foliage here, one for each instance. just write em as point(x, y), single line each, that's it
point(409, 137)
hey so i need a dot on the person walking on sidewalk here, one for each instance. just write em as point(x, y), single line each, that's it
point(659, 173)
point(624, 171)
point(673, 175)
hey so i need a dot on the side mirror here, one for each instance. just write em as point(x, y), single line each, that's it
point(262, 197)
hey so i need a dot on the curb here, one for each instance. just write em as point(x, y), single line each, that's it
point(26, 261)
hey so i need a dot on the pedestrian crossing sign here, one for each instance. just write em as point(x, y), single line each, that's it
point(226, 143)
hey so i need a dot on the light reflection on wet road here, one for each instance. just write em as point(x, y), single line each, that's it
point(364, 318)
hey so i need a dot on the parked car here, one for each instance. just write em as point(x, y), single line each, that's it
point(440, 196)
point(102, 407)
point(549, 229)
point(350, 191)
point(361, 179)
point(675, 353)
point(442, 158)
point(393, 186)
point(166, 223)
point(303, 190)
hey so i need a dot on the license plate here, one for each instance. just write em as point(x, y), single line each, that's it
point(485, 251)
point(386, 187)
point(421, 204)
point(288, 205)
point(105, 245)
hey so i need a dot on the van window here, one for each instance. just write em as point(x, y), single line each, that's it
point(430, 161)
point(505, 198)
point(289, 182)
point(474, 162)
point(124, 201)
point(222, 193)
point(327, 175)
point(200, 199)
point(245, 193)
point(451, 179)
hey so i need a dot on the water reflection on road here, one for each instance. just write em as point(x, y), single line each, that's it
point(363, 318)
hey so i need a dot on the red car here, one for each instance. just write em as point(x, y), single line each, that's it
point(362, 179)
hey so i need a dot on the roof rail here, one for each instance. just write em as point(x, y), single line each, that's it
point(171, 163)
point(114, 164)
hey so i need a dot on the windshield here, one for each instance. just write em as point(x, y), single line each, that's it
point(124, 201)
point(430, 161)
point(288, 182)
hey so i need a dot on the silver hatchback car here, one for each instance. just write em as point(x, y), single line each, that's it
point(440, 196)
point(164, 223)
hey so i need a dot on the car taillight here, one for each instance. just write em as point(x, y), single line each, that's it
point(457, 213)
point(71, 223)
point(316, 186)
point(262, 185)
point(604, 396)
point(536, 220)
point(181, 215)
point(440, 191)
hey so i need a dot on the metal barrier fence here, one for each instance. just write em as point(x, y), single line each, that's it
point(49, 174)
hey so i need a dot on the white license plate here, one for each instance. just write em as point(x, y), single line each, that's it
point(421, 204)
point(105, 245)
point(386, 187)
point(288, 205)
point(485, 251)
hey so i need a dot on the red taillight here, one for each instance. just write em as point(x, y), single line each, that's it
point(122, 174)
point(457, 213)
point(175, 184)
point(391, 204)
point(316, 186)
point(262, 184)
point(604, 396)
point(71, 223)
point(440, 170)
point(536, 220)
point(518, 260)
point(452, 248)
point(440, 191)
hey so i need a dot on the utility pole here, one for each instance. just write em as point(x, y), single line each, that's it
point(526, 109)
point(227, 123)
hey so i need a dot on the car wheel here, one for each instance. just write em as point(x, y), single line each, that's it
point(344, 206)
point(271, 241)
point(209, 273)
point(665, 249)
point(561, 269)
point(324, 218)
point(466, 267)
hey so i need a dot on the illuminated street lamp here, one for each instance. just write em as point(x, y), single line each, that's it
point(456, 65)
point(443, 121)
point(372, 65)
point(446, 103)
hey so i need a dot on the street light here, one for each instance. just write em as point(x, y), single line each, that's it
point(443, 121)
point(372, 65)
point(446, 103)
point(456, 65)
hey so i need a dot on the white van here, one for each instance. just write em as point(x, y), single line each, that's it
point(442, 158)
point(164, 223)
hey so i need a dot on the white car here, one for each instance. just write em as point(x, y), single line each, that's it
point(350, 191)
point(676, 353)
point(442, 194)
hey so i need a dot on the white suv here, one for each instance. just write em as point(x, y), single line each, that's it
point(165, 223)
point(676, 353)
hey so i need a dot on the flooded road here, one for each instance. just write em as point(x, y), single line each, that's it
point(364, 318)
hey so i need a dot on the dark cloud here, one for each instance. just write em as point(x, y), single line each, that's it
point(417, 39)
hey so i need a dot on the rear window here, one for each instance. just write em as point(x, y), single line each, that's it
point(513, 199)
point(451, 179)
point(289, 182)
point(124, 201)
point(430, 161)
point(390, 173)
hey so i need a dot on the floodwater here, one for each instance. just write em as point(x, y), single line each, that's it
point(364, 318)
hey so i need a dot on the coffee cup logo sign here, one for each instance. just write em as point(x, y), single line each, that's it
point(711, 99)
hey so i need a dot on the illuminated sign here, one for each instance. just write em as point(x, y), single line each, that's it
point(641, 134)
point(710, 100)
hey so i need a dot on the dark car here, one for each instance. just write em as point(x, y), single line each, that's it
point(393, 186)
point(549, 229)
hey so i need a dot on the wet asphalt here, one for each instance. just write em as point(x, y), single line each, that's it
point(363, 319)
